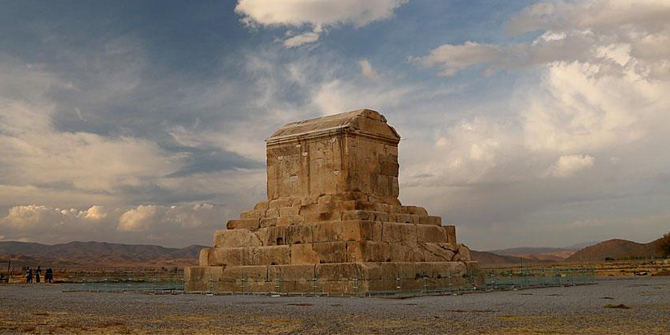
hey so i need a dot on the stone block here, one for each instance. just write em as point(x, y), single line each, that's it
point(405, 253)
point(331, 252)
point(203, 257)
point(249, 273)
point(289, 211)
point(320, 217)
point(291, 272)
point(272, 235)
point(290, 220)
point(403, 218)
point(272, 213)
point(272, 255)
point(463, 253)
point(252, 215)
point(340, 271)
point(199, 278)
point(347, 205)
point(299, 234)
point(268, 222)
point(229, 256)
point(236, 238)
point(431, 234)
point(434, 252)
point(451, 234)
point(346, 231)
point(365, 215)
point(416, 210)
point(251, 224)
point(399, 233)
point(279, 203)
point(358, 215)
point(261, 206)
point(259, 286)
point(304, 254)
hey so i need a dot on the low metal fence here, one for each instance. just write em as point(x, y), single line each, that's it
point(522, 278)
point(495, 280)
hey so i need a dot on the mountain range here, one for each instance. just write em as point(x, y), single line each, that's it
point(97, 254)
point(93, 254)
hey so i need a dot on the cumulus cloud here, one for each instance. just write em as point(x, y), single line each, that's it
point(594, 83)
point(315, 14)
point(568, 165)
point(618, 35)
point(141, 224)
point(96, 213)
point(600, 83)
point(137, 219)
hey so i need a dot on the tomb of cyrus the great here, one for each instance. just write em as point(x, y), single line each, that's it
point(332, 221)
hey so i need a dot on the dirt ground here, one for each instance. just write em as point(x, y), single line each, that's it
point(614, 306)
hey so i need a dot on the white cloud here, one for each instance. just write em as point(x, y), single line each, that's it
point(304, 38)
point(454, 58)
point(568, 165)
point(617, 34)
point(337, 95)
point(31, 146)
point(137, 219)
point(95, 213)
point(166, 225)
point(367, 70)
point(315, 14)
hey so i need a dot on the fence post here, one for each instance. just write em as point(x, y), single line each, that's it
point(425, 284)
point(450, 283)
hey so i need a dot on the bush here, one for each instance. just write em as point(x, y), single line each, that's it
point(664, 245)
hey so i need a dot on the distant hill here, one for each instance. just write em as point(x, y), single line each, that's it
point(580, 246)
point(616, 249)
point(490, 258)
point(97, 254)
point(526, 250)
point(539, 254)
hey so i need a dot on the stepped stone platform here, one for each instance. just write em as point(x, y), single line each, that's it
point(333, 221)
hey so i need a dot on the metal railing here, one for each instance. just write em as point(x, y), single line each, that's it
point(495, 280)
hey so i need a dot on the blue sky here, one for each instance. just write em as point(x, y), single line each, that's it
point(525, 123)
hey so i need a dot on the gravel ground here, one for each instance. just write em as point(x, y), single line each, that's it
point(565, 310)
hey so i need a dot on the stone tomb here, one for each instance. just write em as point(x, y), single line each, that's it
point(333, 222)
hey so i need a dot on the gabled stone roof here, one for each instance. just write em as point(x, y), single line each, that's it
point(362, 121)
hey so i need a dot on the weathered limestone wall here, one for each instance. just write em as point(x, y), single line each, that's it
point(358, 153)
point(332, 219)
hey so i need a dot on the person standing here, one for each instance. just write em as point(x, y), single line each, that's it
point(49, 276)
point(37, 274)
point(29, 275)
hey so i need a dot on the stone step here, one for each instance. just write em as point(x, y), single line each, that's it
point(336, 277)
point(251, 220)
point(333, 252)
point(334, 231)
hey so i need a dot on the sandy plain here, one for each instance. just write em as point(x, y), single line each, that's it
point(612, 306)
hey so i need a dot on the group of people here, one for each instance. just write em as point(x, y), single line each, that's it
point(48, 275)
